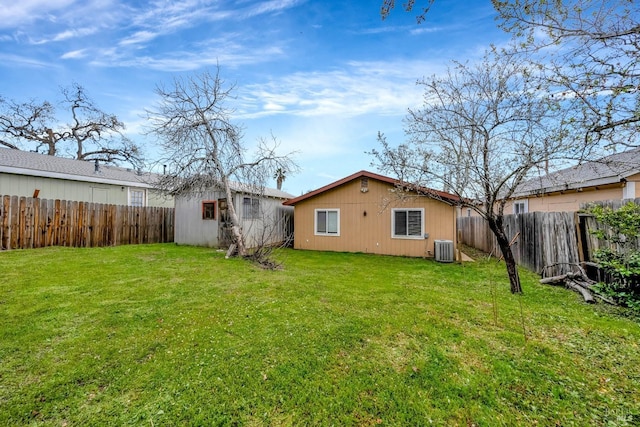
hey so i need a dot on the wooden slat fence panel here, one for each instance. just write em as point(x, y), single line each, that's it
point(544, 239)
point(539, 239)
point(27, 223)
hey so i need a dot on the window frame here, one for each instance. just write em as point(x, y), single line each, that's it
point(204, 210)
point(525, 206)
point(327, 211)
point(254, 208)
point(142, 197)
point(407, 236)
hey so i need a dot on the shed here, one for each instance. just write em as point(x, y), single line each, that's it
point(202, 217)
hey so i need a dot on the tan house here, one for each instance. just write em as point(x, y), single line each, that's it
point(614, 177)
point(371, 213)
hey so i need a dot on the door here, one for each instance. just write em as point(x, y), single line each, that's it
point(224, 233)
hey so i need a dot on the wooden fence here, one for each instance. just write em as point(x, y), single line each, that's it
point(27, 223)
point(538, 239)
point(551, 241)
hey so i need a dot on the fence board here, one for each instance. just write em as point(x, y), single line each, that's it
point(27, 223)
point(539, 239)
point(561, 239)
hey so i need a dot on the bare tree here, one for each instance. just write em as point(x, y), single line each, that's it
point(90, 134)
point(203, 148)
point(482, 129)
point(587, 53)
point(96, 135)
point(28, 122)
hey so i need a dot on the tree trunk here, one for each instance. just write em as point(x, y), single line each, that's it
point(497, 227)
point(236, 229)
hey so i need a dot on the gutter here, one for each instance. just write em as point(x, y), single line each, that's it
point(81, 178)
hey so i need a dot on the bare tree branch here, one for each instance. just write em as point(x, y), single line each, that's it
point(202, 147)
point(91, 134)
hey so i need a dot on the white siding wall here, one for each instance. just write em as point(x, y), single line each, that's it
point(50, 188)
point(190, 228)
point(269, 227)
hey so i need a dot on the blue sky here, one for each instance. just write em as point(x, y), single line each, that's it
point(322, 76)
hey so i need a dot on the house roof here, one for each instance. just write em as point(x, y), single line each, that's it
point(266, 191)
point(34, 164)
point(607, 170)
point(435, 194)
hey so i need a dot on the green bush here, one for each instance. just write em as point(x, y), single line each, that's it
point(621, 259)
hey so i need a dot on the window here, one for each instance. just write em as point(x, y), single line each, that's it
point(520, 207)
point(209, 210)
point(136, 197)
point(250, 208)
point(407, 223)
point(327, 222)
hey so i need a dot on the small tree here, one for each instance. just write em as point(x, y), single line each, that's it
point(620, 258)
point(280, 175)
point(203, 148)
point(90, 134)
point(482, 129)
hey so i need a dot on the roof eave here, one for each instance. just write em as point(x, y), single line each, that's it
point(70, 177)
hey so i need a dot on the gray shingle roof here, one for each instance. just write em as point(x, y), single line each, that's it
point(607, 170)
point(34, 164)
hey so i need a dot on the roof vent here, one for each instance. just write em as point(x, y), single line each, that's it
point(96, 166)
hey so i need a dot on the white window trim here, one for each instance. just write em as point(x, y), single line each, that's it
point(315, 222)
point(144, 196)
point(629, 190)
point(393, 223)
point(524, 203)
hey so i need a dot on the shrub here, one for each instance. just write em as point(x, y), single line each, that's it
point(620, 259)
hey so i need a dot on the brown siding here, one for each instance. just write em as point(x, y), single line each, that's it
point(371, 233)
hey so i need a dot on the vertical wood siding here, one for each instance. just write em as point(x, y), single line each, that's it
point(365, 221)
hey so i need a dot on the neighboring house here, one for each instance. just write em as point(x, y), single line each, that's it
point(614, 177)
point(367, 212)
point(202, 219)
point(23, 173)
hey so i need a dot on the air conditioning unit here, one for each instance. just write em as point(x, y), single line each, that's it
point(444, 251)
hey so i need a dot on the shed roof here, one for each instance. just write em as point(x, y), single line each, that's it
point(34, 164)
point(429, 192)
point(266, 191)
point(607, 170)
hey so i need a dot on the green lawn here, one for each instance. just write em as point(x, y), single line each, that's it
point(162, 335)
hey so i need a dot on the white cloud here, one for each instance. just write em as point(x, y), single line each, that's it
point(359, 88)
point(66, 35)
point(273, 6)
point(16, 13)
point(75, 54)
point(138, 37)
point(24, 61)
